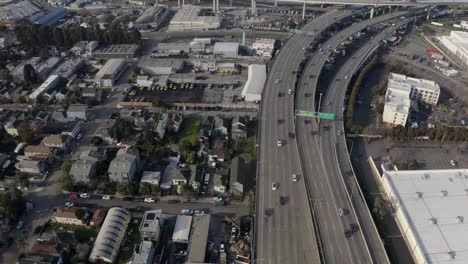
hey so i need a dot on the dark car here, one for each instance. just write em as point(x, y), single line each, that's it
point(291, 135)
point(283, 200)
point(347, 233)
point(268, 212)
point(280, 94)
point(127, 198)
point(280, 121)
point(353, 227)
point(173, 201)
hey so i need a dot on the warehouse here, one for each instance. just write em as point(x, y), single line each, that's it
point(110, 236)
point(430, 210)
point(182, 229)
point(46, 86)
point(152, 18)
point(151, 66)
point(457, 43)
point(12, 14)
point(124, 51)
point(52, 17)
point(253, 88)
point(110, 72)
point(228, 50)
point(199, 239)
point(188, 18)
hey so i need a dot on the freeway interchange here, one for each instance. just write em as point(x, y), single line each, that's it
point(321, 217)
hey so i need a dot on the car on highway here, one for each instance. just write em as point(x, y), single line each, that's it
point(347, 233)
point(268, 212)
point(149, 200)
point(283, 200)
point(353, 227)
point(342, 212)
point(280, 121)
point(294, 178)
point(339, 133)
point(290, 91)
point(106, 197)
point(454, 163)
point(199, 211)
point(69, 204)
point(85, 195)
point(277, 81)
point(307, 121)
point(274, 186)
point(280, 143)
point(346, 77)
point(187, 212)
point(280, 94)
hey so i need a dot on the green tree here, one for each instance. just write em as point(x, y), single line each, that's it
point(382, 207)
point(12, 204)
point(120, 130)
point(65, 180)
point(251, 202)
point(124, 188)
point(44, 53)
point(148, 189)
point(29, 74)
point(157, 102)
point(5, 76)
point(26, 133)
point(96, 141)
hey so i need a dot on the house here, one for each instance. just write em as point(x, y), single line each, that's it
point(92, 93)
point(59, 116)
point(71, 129)
point(124, 166)
point(220, 126)
point(143, 254)
point(97, 155)
point(37, 258)
point(77, 111)
point(31, 166)
point(217, 151)
point(151, 225)
point(104, 134)
point(162, 126)
point(218, 185)
point(47, 248)
point(38, 152)
point(151, 177)
point(242, 175)
point(12, 127)
point(206, 126)
point(98, 217)
point(172, 175)
point(82, 171)
point(176, 121)
point(56, 141)
point(239, 129)
point(70, 216)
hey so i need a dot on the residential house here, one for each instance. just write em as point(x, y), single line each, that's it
point(47, 248)
point(13, 126)
point(98, 217)
point(59, 116)
point(82, 171)
point(162, 126)
point(124, 166)
point(60, 142)
point(151, 225)
point(71, 129)
point(151, 177)
point(172, 175)
point(239, 129)
point(37, 258)
point(242, 175)
point(92, 93)
point(97, 155)
point(38, 152)
point(220, 126)
point(218, 185)
point(31, 166)
point(11, 93)
point(217, 151)
point(206, 126)
point(77, 111)
point(176, 122)
point(104, 134)
point(70, 216)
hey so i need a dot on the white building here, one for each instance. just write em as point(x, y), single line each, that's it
point(46, 86)
point(457, 43)
point(253, 88)
point(151, 177)
point(143, 254)
point(264, 47)
point(431, 212)
point(110, 72)
point(226, 49)
point(182, 229)
point(188, 18)
point(144, 81)
point(400, 90)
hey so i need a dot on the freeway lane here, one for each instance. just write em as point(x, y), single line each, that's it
point(287, 236)
point(327, 193)
point(331, 143)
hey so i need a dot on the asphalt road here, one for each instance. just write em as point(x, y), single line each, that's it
point(337, 176)
point(287, 235)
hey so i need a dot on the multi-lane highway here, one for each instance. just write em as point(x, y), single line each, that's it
point(377, 2)
point(286, 234)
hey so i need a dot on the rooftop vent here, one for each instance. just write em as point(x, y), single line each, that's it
point(451, 254)
point(443, 193)
point(426, 176)
point(433, 221)
point(460, 219)
point(419, 194)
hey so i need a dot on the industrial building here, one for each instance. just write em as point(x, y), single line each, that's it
point(46, 86)
point(143, 254)
point(110, 72)
point(152, 18)
point(264, 47)
point(228, 50)
point(53, 17)
point(151, 224)
point(182, 229)
point(430, 210)
point(401, 90)
point(170, 49)
point(198, 239)
point(457, 44)
point(13, 14)
point(152, 66)
point(68, 68)
point(124, 51)
point(188, 18)
point(253, 87)
point(110, 236)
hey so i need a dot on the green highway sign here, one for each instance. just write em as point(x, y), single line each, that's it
point(315, 114)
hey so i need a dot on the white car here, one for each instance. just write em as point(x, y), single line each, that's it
point(85, 196)
point(341, 211)
point(186, 212)
point(79, 136)
point(294, 178)
point(339, 132)
point(290, 91)
point(346, 77)
point(20, 225)
point(149, 200)
point(454, 163)
point(274, 186)
point(106, 197)
point(69, 204)
point(280, 143)
point(221, 248)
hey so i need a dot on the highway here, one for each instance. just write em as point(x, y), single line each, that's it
point(418, 3)
point(287, 235)
point(327, 192)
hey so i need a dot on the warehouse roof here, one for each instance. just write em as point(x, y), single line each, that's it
point(221, 47)
point(433, 203)
point(255, 82)
point(52, 17)
point(191, 14)
point(197, 247)
point(182, 228)
point(109, 68)
point(20, 10)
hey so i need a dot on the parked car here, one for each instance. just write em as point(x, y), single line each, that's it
point(69, 204)
point(186, 212)
point(127, 198)
point(199, 211)
point(222, 249)
point(274, 186)
point(149, 200)
point(85, 196)
point(73, 195)
point(453, 163)
point(106, 197)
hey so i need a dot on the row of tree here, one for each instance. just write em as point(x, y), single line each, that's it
point(34, 35)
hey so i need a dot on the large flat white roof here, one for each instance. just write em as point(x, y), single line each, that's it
point(191, 14)
point(435, 204)
point(255, 82)
point(406, 83)
point(182, 228)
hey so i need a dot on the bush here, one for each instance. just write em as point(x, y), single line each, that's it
point(65, 180)
point(97, 141)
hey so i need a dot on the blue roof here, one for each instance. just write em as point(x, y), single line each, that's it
point(53, 16)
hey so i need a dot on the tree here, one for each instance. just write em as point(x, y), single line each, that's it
point(157, 102)
point(120, 130)
point(44, 53)
point(26, 133)
point(96, 141)
point(29, 74)
point(148, 189)
point(381, 207)
point(12, 204)
point(65, 180)
point(251, 202)
point(124, 188)
point(22, 100)
point(5, 76)
point(148, 136)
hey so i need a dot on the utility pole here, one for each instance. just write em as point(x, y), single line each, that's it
point(303, 10)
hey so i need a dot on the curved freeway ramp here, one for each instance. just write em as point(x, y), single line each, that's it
point(284, 229)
